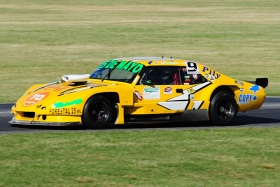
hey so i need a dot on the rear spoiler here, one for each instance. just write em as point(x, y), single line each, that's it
point(263, 82)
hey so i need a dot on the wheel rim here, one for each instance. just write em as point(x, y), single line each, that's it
point(225, 110)
point(99, 112)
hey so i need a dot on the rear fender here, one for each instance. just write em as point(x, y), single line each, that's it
point(228, 88)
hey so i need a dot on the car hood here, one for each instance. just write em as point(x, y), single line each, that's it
point(52, 92)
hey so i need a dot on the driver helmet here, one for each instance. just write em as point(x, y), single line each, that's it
point(167, 76)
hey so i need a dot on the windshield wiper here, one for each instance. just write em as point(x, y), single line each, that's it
point(106, 75)
point(110, 71)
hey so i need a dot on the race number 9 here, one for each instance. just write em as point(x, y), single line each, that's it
point(192, 68)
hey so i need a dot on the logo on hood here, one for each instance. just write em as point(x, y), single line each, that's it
point(35, 98)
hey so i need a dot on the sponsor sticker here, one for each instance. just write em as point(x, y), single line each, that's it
point(138, 95)
point(211, 73)
point(255, 89)
point(171, 63)
point(65, 111)
point(35, 98)
point(239, 82)
point(245, 98)
point(167, 90)
point(151, 92)
point(65, 104)
point(191, 90)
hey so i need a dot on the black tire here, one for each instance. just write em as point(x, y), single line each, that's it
point(223, 108)
point(97, 113)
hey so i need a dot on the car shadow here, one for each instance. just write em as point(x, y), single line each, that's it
point(253, 120)
point(240, 121)
point(40, 127)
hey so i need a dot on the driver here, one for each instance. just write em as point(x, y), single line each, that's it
point(167, 77)
point(170, 77)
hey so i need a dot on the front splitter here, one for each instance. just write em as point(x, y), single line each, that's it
point(18, 122)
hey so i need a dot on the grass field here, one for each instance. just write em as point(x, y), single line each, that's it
point(221, 157)
point(40, 40)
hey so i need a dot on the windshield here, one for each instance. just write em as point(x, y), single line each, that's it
point(117, 70)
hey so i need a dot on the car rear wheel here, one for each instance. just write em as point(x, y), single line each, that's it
point(223, 109)
point(97, 112)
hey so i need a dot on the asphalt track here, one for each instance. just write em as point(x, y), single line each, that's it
point(267, 116)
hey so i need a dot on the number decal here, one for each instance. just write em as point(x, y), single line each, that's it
point(36, 98)
point(192, 68)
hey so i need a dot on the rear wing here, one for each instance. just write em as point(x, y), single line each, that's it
point(263, 82)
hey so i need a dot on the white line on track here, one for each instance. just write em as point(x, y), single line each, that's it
point(273, 96)
point(270, 106)
point(5, 112)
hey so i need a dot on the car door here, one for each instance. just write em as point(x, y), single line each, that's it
point(161, 90)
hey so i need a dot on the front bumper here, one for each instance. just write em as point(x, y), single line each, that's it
point(35, 116)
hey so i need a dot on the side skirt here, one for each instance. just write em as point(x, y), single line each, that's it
point(192, 115)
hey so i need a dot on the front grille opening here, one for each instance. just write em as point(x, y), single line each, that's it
point(29, 114)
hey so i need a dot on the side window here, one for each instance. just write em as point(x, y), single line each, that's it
point(161, 75)
point(191, 78)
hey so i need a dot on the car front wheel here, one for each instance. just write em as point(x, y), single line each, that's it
point(97, 112)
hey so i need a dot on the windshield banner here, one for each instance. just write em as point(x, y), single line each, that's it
point(131, 66)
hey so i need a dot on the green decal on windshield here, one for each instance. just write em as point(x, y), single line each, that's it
point(66, 104)
point(137, 68)
point(111, 64)
point(121, 65)
point(133, 67)
point(126, 66)
point(104, 64)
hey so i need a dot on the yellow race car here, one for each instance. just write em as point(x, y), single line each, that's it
point(139, 89)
